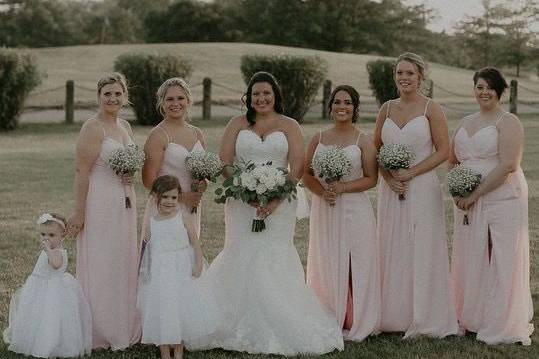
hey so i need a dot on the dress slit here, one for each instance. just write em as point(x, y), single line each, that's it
point(349, 314)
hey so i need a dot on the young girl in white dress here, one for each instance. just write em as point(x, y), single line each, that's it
point(175, 310)
point(49, 316)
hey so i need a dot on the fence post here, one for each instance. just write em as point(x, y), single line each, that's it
point(70, 101)
point(513, 96)
point(326, 93)
point(206, 98)
point(430, 88)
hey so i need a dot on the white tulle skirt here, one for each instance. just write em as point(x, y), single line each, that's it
point(49, 317)
point(174, 307)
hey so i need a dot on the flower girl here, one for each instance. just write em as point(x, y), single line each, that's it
point(175, 310)
point(49, 316)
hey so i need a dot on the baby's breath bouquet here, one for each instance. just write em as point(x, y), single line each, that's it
point(257, 183)
point(203, 166)
point(126, 161)
point(331, 164)
point(462, 181)
point(394, 156)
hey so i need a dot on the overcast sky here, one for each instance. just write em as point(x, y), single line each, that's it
point(451, 11)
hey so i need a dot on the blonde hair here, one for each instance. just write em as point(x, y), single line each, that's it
point(114, 78)
point(413, 59)
point(162, 91)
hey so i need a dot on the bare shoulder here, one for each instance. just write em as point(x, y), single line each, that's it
point(510, 122)
point(432, 106)
point(289, 123)
point(366, 140)
point(238, 122)
point(91, 127)
point(197, 130)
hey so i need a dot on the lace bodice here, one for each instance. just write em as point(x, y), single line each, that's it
point(251, 148)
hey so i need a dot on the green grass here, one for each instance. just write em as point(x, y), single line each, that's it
point(221, 62)
point(37, 176)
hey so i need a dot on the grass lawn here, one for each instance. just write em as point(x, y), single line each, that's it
point(37, 176)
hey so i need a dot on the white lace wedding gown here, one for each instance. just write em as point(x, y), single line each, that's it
point(258, 280)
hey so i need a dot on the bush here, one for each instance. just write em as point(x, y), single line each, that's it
point(381, 80)
point(18, 76)
point(299, 77)
point(144, 74)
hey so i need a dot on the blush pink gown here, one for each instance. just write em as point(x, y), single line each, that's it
point(416, 291)
point(343, 248)
point(493, 296)
point(174, 165)
point(107, 255)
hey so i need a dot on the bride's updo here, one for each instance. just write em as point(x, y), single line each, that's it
point(262, 76)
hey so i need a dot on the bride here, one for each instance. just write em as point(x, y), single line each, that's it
point(257, 279)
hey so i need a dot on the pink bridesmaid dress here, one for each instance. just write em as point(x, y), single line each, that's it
point(174, 165)
point(107, 255)
point(416, 290)
point(342, 264)
point(492, 291)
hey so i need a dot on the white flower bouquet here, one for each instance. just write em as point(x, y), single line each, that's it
point(203, 166)
point(126, 161)
point(394, 156)
point(257, 184)
point(462, 181)
point(331, 164)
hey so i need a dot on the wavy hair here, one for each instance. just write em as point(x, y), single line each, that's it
point(262, 76)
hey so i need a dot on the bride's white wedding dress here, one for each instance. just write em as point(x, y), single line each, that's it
point(258, 280)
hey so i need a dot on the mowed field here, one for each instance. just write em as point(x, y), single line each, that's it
point(36, 164)
point(221, 63)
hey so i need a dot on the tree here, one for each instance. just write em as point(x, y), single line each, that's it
point(519, 35)
point(478, 33)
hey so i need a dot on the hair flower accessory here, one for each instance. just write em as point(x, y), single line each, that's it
point(47, 217)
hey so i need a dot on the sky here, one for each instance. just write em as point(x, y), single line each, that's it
point(451, 11)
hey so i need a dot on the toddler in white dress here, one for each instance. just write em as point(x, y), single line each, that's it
point(49, 316)
point(175, 310)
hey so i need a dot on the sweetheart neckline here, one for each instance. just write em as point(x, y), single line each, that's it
point(262, 139)
point(406, 124)
point(351, 145)
point(476, 132)
point(185, 148)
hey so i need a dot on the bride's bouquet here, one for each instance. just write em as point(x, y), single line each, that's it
point(331, 164)
point(462, 181)
point(203, 166)
point(257, 184)
point(394, 156)
point(126, 161)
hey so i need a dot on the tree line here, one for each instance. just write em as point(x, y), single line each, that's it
point(504, 35)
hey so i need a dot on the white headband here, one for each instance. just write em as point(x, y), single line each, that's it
point(46, 217)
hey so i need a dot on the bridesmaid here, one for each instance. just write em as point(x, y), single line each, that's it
point(170, 142)
point(416, 291)
point(342, 265)
point(491, 264)
point(107, 255)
